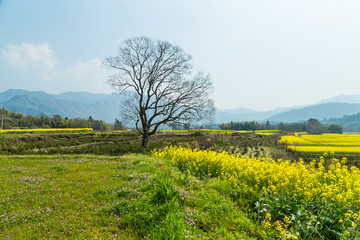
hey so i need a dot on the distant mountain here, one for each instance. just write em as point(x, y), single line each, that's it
point(7, 95)
point(223, 116)
point(239, 111)
point(343, 99)
point(319, 111)
point(71, 104)
point(85, 97)
point(99, 106)
point(245, 114)
point(106, 107)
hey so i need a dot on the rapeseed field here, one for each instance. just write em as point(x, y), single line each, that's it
point(45, 130)
point(336, 143)
point(294, 199)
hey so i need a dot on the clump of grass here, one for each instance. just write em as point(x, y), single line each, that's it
point(59, 168)
point(177, 206)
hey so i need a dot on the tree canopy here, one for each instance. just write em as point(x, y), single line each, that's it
point(161, 86)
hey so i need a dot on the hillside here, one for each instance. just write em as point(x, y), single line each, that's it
point(72, 105)
point(14, 120)
point(351, 123)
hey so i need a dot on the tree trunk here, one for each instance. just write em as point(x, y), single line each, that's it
point(145, 139)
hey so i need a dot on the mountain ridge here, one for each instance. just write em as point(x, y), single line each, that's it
point(354, 98)
point(318, 111)
point(106, 107)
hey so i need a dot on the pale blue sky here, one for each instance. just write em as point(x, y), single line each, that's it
point(260, 54)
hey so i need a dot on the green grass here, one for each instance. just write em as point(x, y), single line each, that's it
point(127, 197)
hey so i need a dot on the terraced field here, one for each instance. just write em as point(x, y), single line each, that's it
point(333, 145)
point(208, 185)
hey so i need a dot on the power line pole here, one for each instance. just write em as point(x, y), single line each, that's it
point(2, 122)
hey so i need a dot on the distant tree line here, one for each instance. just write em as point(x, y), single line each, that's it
point(312, 126)
point(9, 120)
point(351, 123)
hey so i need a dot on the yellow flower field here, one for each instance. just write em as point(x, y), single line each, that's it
point(323, 149)
point(309, 182)
point(326, 139)
point(45, 130)
point(299, 197)
point(338, 143)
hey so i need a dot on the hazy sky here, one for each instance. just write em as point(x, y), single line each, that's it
point(260, 54)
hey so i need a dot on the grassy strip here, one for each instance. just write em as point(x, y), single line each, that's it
point(190, 131)
point(128, 197)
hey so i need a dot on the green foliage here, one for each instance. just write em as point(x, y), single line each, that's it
point(334, 128)
point(313, 126)
point(18, 120)
point(349, 122)
point(247, 126)
point(253, 125)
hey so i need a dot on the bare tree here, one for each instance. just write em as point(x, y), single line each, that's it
point(162, 87)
